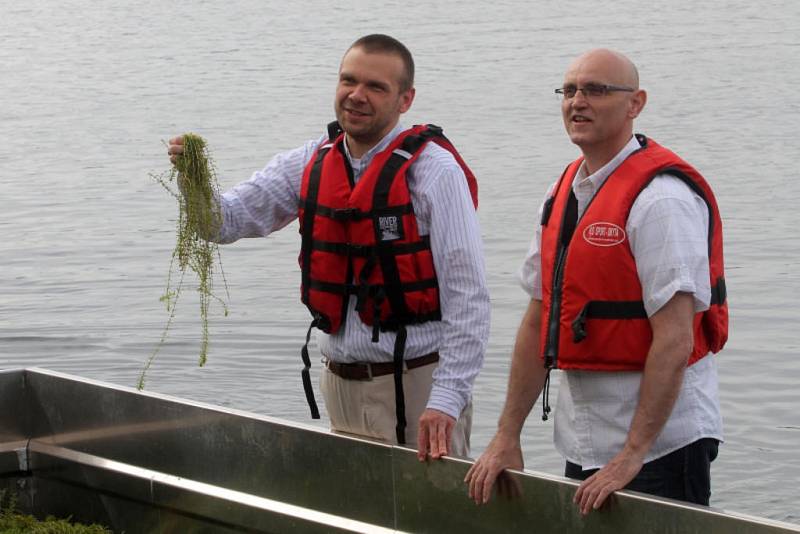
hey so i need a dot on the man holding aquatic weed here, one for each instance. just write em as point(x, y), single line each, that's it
point(625, 274)
point(391, 257)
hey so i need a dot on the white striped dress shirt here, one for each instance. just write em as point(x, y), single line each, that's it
point(668, 232)
point(443, 207)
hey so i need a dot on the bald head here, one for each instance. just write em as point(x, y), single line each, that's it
point(617, 68)
point(601, 100)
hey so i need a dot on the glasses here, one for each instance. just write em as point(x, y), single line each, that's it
point(591, 90)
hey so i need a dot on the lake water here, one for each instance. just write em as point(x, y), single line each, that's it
point(89, 90)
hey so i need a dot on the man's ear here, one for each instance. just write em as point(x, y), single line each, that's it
point(637, 103)
point(406, 99)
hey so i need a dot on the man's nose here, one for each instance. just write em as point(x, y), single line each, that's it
point(579, 100)
point(358, 92)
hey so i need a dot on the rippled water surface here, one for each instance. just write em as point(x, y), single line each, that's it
point(90, 90)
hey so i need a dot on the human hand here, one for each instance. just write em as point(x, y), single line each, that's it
point(504, 452)
point(175, 148)
point(435, 431)
point(615, 475)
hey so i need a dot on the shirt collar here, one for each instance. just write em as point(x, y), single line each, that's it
point(600, 175)
point(364, 160)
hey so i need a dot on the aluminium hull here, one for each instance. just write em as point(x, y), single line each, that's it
point(143, 462)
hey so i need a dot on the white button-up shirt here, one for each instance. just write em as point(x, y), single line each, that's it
point(668, 232)
point(443, 208)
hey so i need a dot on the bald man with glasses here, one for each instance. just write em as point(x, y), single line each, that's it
point(626, 279)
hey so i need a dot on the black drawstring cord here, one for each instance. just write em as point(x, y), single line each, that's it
point(306, 375)
point(546, 395)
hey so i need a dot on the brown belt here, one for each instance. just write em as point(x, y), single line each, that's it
point(366, 371)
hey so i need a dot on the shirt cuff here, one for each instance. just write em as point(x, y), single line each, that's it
point(681, 282)
point(446, 400)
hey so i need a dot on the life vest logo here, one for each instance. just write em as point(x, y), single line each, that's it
point(390, 229)
point(603, 234)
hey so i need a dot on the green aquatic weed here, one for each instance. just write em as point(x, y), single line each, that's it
point(14, 522)
point(199, 220)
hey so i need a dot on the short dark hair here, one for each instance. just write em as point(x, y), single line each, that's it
point(378, 42)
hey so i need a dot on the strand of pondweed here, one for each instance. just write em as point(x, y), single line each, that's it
point(199, 219)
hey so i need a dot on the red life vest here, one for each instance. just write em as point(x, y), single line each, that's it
point(592, 309)
point(363, 238)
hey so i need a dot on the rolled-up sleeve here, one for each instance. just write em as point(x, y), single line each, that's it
point(668, 229)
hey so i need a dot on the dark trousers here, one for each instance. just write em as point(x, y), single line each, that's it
point(684, 474)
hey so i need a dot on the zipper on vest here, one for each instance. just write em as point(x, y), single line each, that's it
point(551, 346)
point(569, 221)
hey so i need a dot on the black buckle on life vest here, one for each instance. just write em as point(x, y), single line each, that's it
point(606, 309)
point(354, 249)
point(345, 214)
point(412, 143)
point(434, 130)
point(334, 130)
point(579, 325)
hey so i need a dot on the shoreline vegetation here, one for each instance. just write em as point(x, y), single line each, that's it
point(199, 219)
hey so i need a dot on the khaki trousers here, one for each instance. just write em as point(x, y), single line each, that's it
point(367, 407)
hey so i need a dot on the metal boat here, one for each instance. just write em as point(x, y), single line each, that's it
point(140, 462)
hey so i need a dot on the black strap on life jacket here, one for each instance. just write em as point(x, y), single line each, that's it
point(320, 321)
point(606, 309)
point(366, 251)
point(570, 218)
point(399, 395)
point(628, 309)
point(312, 193)
point(306, 375)
point(547, 209)
point(385, 255)
point(719, 293)
point(391, 276)
point(372, 290)
point(385, 250)
point(354, 214)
